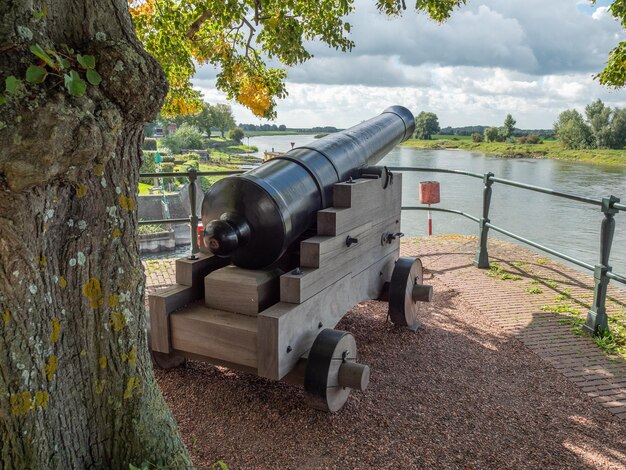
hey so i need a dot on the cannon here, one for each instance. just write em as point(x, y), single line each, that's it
point(288, 249)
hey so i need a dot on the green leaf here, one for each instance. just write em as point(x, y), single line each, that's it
point(86, 61)
point(11, 83)
point(75, 85)
point(93, 77)
point(2, 99)
point(63, 63)
point(36, 74)
point(43, 55)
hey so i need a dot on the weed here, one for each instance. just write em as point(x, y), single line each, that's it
point(534, 290)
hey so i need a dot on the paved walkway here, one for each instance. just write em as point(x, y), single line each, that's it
point(536, 300)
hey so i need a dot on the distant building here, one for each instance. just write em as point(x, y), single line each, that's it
point(171, 128)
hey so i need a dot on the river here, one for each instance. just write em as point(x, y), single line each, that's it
point(568, 226)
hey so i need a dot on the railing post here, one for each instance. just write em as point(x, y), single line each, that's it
point(482, 256)
point(597, 320)
point(193, 217)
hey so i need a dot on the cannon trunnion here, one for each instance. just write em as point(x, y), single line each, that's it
point(253, 218)
point(277, 322)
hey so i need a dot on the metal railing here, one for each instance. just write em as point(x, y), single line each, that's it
point(597, 320)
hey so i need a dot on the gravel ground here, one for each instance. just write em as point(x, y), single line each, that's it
point(459, 393)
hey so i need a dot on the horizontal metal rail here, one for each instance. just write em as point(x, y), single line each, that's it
point(558, 254)
point(186, 174)
point(552, 192)
point(164, 221)
point(436, 170)
point(518, 184)
point(438, 209)
point(616, 277)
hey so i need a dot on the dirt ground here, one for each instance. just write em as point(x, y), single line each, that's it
point(459, 393)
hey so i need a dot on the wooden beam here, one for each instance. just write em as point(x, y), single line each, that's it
point(160, 305)
point(242, 290)
point(212, 333)
point(287, 331)
point(192, 272)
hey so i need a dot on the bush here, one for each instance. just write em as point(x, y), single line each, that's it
point(533, 139)
point(168, 159)
point(188, 156)
point(148, 165)
point(477, 137)
point(186, 137)
point(149, 144)
point(236, 134)
point(167, 167)
point(191, 164)
point(491, 134)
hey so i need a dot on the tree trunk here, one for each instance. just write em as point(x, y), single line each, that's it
point(76, 381)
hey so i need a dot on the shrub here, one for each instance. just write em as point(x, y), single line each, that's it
point(191, 164)
point(148, 165)
point(167, 167)
point(523, 139)
point(149, 144)
point(186, 137)
point(533, 139)
point(477, 137)
point(491, 134)
point(168, 159)
point(236, 134)
point(188, 156)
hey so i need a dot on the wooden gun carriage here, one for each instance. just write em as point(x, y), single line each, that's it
point(288, 250)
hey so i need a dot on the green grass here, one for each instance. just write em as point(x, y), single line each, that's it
point(548, 149)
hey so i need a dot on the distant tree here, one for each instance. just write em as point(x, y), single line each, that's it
point(572, 130)
point(599, 119)
point(426, 125)
point(477, 137)
point(509, 126)
point(236, 134)
point(186, 137)
point(223, 118)
point(618, 129)
point(282, 127)
point(491, 134)
point(205, 120)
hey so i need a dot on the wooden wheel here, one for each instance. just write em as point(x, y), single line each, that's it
point(406, 290)
point(332, 371)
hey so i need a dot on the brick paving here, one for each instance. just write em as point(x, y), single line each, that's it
point(510, 306)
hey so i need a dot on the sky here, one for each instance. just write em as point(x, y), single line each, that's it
point(530, 58)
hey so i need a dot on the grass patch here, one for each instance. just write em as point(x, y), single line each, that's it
point(547, 149)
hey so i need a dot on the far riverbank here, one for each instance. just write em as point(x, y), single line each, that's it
point(547, 149)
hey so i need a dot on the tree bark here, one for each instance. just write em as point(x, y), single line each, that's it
point(77, 388)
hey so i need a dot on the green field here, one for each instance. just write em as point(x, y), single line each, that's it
point(547, 149)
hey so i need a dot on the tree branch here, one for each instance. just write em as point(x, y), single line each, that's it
point(196, 25)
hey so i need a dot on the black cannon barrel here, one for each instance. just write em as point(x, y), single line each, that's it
point(254, 217)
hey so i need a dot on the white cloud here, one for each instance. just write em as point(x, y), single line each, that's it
point(533, 58)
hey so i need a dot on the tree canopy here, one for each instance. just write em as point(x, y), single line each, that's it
point(238, 36)
point(602, 127)
point(426, 124)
